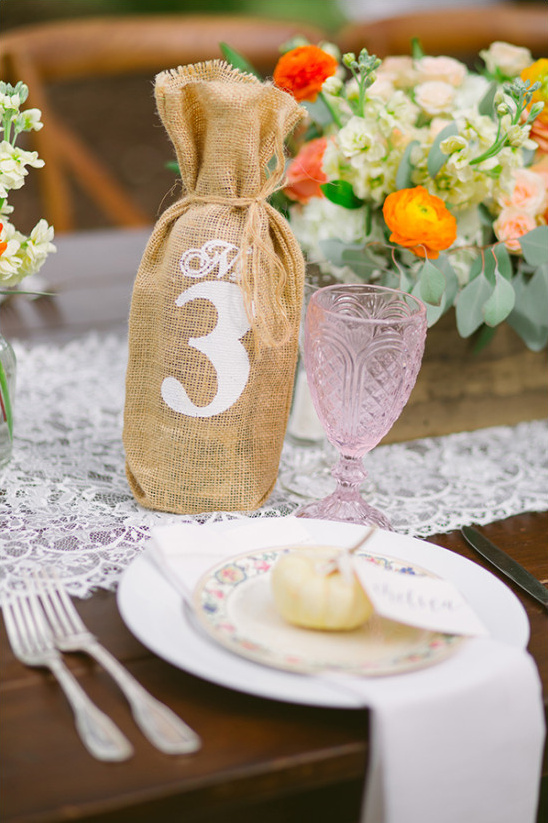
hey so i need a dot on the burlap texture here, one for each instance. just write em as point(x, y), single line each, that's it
point(216, 303)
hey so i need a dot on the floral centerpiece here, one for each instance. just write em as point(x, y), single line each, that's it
point(415, 172)
point(20, 255)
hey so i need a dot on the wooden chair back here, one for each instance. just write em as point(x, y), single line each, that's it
point(74, 50)
point(456, 32)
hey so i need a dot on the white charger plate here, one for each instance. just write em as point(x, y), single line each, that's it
point(153, 610)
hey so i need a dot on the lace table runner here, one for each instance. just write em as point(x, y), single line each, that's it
point(64, 499)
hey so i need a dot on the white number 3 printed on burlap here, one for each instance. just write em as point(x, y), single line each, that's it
point(222, 346)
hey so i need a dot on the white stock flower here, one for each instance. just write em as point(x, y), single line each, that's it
point(332, 85)
point(320, 219)
point(10, 262)
point(355, 136)
point(435, 97)
point(352, 89)
point(13, 162)
point(9, 102)
point(29, 120)
point(509, 59)
point(34, 252)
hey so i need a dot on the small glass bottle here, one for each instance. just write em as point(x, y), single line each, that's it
point(7, 390)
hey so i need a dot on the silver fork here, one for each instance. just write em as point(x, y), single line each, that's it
point(33, 645)
point(163, 728)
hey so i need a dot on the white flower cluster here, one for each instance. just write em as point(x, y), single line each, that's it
point(20, 255)
point(401, 112)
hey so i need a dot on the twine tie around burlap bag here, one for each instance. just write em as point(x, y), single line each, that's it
point(216, 303)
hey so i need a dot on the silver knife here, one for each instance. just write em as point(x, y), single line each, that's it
point(507, 565)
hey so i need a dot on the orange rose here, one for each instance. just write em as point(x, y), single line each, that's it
point(305, 174)
point(3, 246)
point(538, 72)
point(419, 221)
point(302, 71)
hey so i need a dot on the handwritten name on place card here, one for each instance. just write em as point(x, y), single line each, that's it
point(417, 600)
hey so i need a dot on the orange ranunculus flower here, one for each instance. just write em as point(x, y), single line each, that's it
point(538, 73)
point(305, 174)
point(302, 71)
point(3, 245)
point(419, 221)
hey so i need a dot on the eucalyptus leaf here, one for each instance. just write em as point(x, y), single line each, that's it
point(487, 103)
point(318, 111)
point(489, 263)
point(534, 246)
point(237, 60)
point(437, 158)
point(504, 262)
point(360, 261)
point(451, 280)
point(341, 193)
point(484, 337)
point(500, 302)
point(405, 168)
point(432, 284)
point(433, 313)
point(469, 305)
point(532, 297)
point(529, 318)
point(355, 256)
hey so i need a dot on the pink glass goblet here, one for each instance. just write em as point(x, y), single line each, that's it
point(363, 348)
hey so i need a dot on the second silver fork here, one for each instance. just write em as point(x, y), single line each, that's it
point(163, 728)
point(33, 645)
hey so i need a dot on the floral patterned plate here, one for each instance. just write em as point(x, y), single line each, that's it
point(234, 605)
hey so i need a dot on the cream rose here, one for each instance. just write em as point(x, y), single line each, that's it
point(446, 69)
point(399, 70)
point(530, 193)
point(509, 59)
point(435, 96)
point(511, 224)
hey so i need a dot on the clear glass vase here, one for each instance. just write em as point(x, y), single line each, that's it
point(7, 390)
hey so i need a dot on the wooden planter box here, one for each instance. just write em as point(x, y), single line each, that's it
point(458, 390)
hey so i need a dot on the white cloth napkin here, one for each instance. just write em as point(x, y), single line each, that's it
point(459, 742)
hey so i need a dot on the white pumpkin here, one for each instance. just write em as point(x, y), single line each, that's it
point(305, 595)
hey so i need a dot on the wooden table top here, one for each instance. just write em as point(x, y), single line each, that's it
point(261, 759)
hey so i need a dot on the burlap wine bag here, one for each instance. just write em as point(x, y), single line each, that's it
point(216, 303)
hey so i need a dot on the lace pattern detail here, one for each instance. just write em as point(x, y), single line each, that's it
point(64, 498)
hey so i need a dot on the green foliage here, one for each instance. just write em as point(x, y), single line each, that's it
point(534, 246)
point(342, 193)
point(237, 60)
point(436, 157)
point(405, 168)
